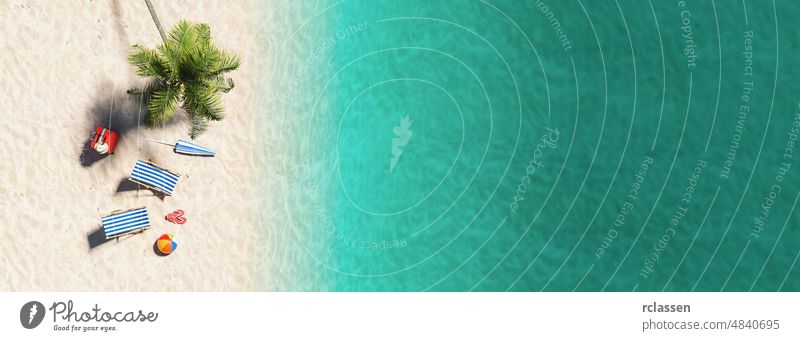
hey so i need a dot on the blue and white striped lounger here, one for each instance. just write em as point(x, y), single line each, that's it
point(154, 177)
point(189, 148)
point(119, 223)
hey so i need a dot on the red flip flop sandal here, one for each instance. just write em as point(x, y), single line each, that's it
point(176, 217)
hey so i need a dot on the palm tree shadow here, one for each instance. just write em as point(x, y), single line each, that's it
point(120, 111)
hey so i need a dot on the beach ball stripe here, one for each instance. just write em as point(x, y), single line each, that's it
point(165, 244)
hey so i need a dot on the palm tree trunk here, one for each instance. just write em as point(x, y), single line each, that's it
point(155, 20)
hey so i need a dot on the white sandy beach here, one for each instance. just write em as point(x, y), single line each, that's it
point(64, 70)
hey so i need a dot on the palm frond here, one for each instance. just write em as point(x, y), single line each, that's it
point(200, 60)
point(162, 105)
point(171, 56)
point(148, 88)
point(203, 100)
point(197, 126)
point(222, 83)
point(148, 62)
point(227, 62)
point(203, 33)
point(179, 30)
point(229, 85)
point(178, 48)
point(184, 36)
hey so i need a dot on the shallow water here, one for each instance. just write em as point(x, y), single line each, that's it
point(530, 145)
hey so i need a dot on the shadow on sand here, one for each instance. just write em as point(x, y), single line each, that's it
point(157, 251)
point(126, 185)
point(115, 109)
point(96, 238)
point(118, 111)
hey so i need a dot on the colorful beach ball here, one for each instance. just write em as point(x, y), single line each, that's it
point(165, 244)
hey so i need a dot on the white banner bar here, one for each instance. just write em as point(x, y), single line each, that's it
point(399, 316)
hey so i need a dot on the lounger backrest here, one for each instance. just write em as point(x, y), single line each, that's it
point(117, 224)
point(155, 177)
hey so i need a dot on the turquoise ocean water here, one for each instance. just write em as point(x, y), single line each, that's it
point(541, 145)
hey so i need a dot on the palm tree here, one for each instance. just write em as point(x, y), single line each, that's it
point(155, 19)
point(187, 70)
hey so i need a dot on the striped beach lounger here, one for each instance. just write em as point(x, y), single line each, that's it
point(119, 223)
point(154, 177)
